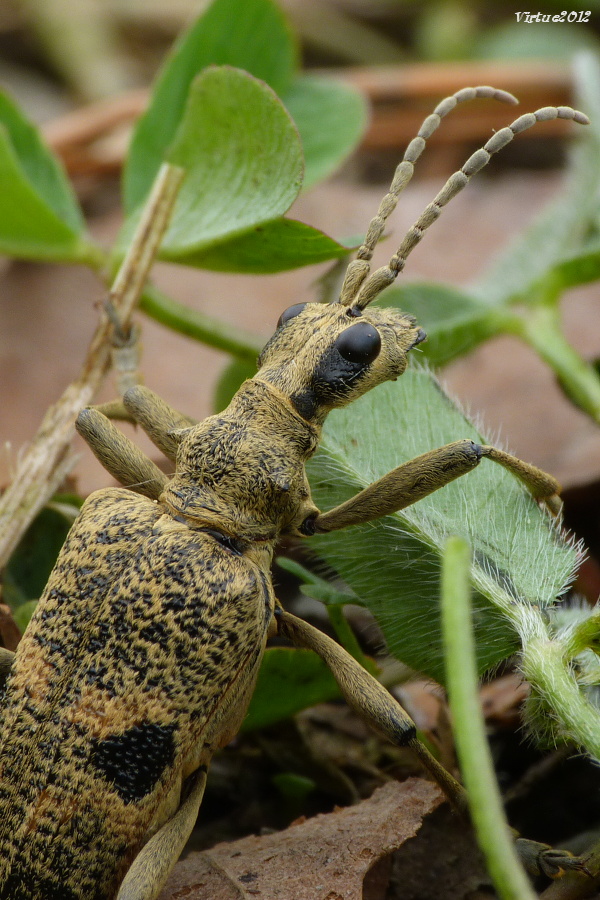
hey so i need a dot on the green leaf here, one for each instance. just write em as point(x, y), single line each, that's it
point(243, 160)
point(331, 118)
point(252, 35)
point(40, 167)
point(30, 565)
point(289, 680)
point(293, 788)
point(581, 268)
point(29, 226)
point(316, 587)
point(270, 247)
point(393, 565)
point(23, 614)
point(455, 321)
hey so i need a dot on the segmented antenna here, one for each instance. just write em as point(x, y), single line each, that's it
point(360, 288)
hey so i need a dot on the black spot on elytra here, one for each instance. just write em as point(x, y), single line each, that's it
point(134, 761)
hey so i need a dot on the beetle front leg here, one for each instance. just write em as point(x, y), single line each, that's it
point(151, 867)
point(159, 420)
point(370, 700)
point(143, 407)
point(425, 474)
point(119, 455)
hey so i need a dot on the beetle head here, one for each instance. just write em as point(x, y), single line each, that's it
point(323, 356)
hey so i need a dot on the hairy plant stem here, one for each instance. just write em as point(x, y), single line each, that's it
point(545, 666)
point(493, 832)
point(48, 458)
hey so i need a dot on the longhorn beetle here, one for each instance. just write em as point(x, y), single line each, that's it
point(142, 654)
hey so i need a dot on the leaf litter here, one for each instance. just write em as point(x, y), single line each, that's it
point(322, 858)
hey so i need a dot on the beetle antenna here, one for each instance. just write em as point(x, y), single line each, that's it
point(359, 269)
point(370, 286)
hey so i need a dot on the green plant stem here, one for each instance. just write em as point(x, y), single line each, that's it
point(545, 667)
point(93, 256)
point(585, 635)
point(492, 830)
point(539, 326)
point(240, 343)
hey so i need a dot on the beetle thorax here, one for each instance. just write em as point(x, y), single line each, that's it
point(243, 469)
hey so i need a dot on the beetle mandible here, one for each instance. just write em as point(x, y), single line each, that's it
point(142, 654)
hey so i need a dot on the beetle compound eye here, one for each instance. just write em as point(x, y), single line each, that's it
point(359, 344)
point(290, 313)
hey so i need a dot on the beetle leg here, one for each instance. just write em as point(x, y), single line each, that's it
point(543, 487)
point(385, 715)
point(370, 699)
point(151, 867)
point(157, 418)
point(115, 411)
point(541, 859)
point(119, 455)
point(6, 660)
point(141, 406)
point(427, 473)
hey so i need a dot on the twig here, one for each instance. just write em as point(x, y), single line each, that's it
point(48, 458)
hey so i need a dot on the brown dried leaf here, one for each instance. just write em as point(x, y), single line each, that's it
point(323, 858)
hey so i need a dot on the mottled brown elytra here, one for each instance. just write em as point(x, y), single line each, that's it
point(143, 652)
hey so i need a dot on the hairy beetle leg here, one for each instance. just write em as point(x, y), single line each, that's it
point(427, 473)
point(143, 407)
point(119, 455)
point(159, 420)
point(542, 859)
point(370, 700)
point(385, 715)
point(151, 867)
point(543, 487)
